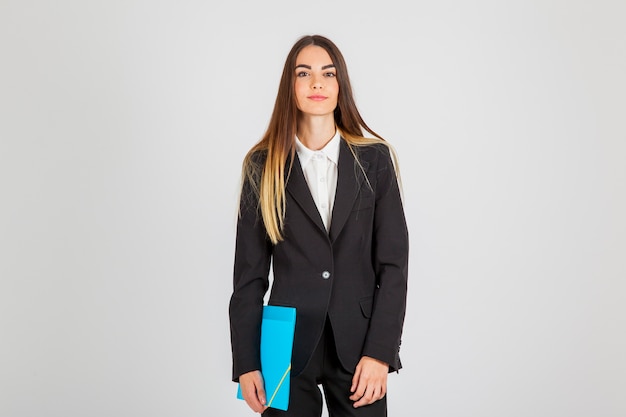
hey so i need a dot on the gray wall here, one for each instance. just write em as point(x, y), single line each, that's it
point(122, 129)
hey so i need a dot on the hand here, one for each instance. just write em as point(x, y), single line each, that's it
point(253, 391)
point(369, 383)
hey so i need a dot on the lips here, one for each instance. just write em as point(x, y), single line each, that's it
point(317, 97)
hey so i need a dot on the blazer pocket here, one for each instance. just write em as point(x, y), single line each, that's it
point(366, 306)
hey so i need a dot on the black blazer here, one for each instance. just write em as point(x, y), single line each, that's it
point(355, 274)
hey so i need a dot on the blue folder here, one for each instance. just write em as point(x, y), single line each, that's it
point(277, 329)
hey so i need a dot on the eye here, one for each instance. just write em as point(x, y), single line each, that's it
point(302, 74)
point(330, 74)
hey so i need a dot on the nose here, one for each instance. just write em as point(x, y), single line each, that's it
point(316, 83)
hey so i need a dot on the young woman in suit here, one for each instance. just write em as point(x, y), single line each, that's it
point(321, 204)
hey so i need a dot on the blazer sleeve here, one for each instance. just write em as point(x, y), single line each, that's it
point(250, 283)
point(390, 254)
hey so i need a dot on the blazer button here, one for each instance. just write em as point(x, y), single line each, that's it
point(325, 274)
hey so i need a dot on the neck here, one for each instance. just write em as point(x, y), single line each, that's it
point(315, 132)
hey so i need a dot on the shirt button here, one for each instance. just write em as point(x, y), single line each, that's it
point(322, 179)
point(325, 274)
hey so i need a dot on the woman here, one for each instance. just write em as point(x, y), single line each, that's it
point(322, 205)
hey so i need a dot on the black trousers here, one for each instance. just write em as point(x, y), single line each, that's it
point(324, 368)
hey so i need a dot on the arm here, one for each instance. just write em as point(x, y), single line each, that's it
point(390, 260)
point(390, 253)
point(250, 283)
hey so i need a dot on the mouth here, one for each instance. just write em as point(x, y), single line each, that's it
point(317, 97)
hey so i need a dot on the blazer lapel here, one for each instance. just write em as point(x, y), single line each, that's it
point(349, 181)
point(299, 190)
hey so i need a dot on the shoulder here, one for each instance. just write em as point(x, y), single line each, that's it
point(256, 157)
point(378, 153)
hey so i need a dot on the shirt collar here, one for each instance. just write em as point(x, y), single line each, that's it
point(331, 150)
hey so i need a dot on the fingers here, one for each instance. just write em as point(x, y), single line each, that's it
point(369, 383)
point(252, 390)
point(372, 394)
point(369, 391)
point(255, 399)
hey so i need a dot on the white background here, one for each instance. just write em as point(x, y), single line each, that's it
point(122, 129)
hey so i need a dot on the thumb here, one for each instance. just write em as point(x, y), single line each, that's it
point(355, 378)
point(261, 393)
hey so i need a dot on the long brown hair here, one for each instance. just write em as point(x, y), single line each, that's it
point(268, 181)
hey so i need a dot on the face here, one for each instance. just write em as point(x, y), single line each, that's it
point(316, 86)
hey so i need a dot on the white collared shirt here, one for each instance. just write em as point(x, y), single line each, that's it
point(320, 171)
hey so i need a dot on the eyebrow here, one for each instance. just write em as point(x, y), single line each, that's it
point(309, 67)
